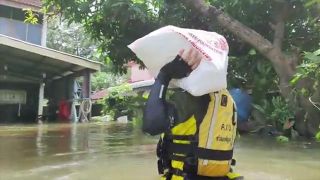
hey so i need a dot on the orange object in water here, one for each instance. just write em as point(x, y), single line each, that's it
point(64, 110)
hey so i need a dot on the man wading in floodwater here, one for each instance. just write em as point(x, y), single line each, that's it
point(197, 132)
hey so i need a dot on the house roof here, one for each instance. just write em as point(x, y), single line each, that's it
point(22, 60)
point(142, 84)
point(34, 4)
point(99, 94)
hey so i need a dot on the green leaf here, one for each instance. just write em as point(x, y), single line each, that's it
point(282, 139)
point(304, 92)
point(145, 95)
point(317, 52)
point(318, 136)
point(311, 2)
point(252, 52)
point(30, 16)
point(296, 78)
point(312, 57)
point(259, 108)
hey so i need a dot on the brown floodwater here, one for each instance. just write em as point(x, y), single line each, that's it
point(115, 151)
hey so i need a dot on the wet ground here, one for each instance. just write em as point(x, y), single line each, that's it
point(121, 152)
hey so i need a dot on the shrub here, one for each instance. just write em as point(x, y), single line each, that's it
point(277, 112)
point(122, 100)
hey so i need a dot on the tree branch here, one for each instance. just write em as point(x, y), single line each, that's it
point(280, 61)
point(199, 5)
point(282, 13)
point(283, 64)
point(240, 30)
point(278, 35)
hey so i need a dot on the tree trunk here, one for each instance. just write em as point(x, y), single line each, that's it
point(308, 118)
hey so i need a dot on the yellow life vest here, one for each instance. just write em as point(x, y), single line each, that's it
point(205, 149)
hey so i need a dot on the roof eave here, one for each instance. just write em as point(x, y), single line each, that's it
point(50, 53)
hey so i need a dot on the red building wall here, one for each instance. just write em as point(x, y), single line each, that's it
point(139, 74)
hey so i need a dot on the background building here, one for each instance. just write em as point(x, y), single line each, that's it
point(30, 72)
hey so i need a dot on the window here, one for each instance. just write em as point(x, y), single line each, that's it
point(5, 12)
point(3, 23)
point(34, 33)
point(11, 24)
point(15, 13)
point(13, 28)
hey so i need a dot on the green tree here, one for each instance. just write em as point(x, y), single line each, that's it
point(72, 39)
point(103, 80)
point(113, 23)
point(122, 100)
point(267, 37)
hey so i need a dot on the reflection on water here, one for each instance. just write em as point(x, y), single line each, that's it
point(121, 152)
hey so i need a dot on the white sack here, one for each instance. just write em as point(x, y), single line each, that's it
point(161, 46)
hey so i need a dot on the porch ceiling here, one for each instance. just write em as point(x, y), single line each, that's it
point(22, 61)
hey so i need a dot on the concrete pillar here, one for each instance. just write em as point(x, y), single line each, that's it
point(86, 88)
point(40, 104)
point(44, 31)
point(74, 99)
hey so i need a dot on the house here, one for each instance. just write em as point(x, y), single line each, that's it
point(12, 23)
point(140, 79)
point(30, 72)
